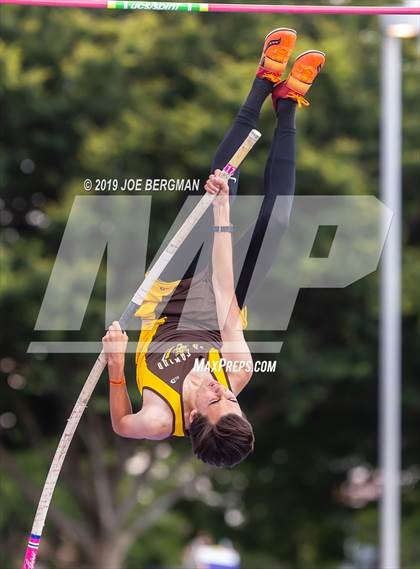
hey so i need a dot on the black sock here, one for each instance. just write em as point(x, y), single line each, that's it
point(250, 110)
point(286, 113)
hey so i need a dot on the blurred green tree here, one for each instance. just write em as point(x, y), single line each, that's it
point(90, 94)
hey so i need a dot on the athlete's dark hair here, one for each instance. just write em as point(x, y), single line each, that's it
point(225, 443)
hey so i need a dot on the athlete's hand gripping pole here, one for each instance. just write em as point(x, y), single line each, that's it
point(95, 374)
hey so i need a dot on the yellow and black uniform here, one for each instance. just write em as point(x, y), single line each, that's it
point(179, 326)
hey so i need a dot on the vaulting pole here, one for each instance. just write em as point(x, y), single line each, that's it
point(232, 8)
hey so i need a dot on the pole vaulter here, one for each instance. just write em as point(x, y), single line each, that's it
point(99, 366)
point(226, 8)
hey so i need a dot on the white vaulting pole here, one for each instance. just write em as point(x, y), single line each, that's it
point(99, 366)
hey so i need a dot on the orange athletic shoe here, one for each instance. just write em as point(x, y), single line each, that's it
point(278, 46)
point(304, 70)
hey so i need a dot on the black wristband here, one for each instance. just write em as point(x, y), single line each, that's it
point(223, 228)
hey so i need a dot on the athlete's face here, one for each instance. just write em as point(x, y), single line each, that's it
point(213, 400)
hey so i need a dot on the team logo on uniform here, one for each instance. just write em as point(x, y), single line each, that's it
point(181, 349)
point(175, 355)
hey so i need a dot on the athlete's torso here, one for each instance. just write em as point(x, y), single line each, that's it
point(179, 326)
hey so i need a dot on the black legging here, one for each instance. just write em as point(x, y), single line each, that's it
point(279, 180)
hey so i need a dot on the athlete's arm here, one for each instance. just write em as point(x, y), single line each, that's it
point(234, 349)
point(145, 424)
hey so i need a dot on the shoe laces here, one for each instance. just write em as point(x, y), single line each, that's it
point(301, 101)
point(271, 76)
